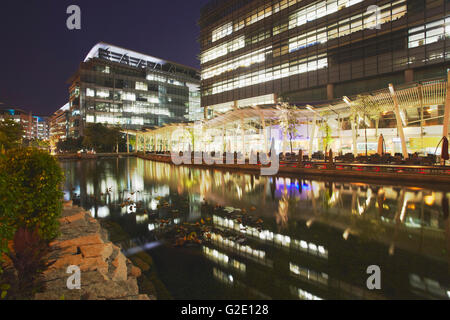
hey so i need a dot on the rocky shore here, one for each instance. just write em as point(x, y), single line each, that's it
point(106, 274)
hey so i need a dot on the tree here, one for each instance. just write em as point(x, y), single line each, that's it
point(101, 138)
point(70, 145)
point(369, 108)
point(288, 122)
point(37, 143)
point(327, 138)
point(11, 134)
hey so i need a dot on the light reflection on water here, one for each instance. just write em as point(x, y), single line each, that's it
point(317, 240)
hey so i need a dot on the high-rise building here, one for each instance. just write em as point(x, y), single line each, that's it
point(34, 127)
point(41, 128)
point(121, 87)
point(256, 52)
point(59, 125)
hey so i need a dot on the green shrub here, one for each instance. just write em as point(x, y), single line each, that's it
point(33, 192)
point(8, 205)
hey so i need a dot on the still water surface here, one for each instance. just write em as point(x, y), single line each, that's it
point(316, 241)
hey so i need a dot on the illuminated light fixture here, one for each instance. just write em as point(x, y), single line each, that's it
point(304, 244)
point(391, 89)
point(429, 200)
point(346, 234)
point(346, 100)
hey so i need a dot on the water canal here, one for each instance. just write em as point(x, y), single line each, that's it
point(312, 239)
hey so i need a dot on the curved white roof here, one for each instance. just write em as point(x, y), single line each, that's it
point(130, 53)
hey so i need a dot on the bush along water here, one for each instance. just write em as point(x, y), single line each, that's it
point(30, 208)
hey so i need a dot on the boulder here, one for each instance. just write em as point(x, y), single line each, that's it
point(120, 273)
point(97, 250)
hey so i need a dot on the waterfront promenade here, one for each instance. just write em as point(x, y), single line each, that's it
point(396, 173)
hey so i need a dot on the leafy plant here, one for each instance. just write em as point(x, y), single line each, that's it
point(70, 145)
point(8, 205)
point(11, 134)
point(288, 122)
point(31, 180)
point(103, 139)
point(4, 288)
point(29, 257)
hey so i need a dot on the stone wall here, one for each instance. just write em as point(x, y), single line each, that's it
point(106, 274)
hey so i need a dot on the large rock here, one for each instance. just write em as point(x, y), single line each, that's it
point(120, 272)
point(81, 241)
point(97, 250)
point(105, 272)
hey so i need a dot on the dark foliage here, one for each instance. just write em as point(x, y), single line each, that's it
point(29, 257)
point(70, 145)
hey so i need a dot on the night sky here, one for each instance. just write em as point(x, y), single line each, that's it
point(38, 54)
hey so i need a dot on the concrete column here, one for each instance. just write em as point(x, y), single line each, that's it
point(399, 121)
point(205, 110)
point(447, 109)
point(330, 91)
point(409, 75)
point(313, 136)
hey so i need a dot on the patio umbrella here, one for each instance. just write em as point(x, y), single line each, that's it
point(330, 158)
point(444, 153)
point(380, 145)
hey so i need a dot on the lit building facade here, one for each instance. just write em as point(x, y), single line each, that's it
point(59, 125)
point(35, 127)
point(25, 118)
point(256, 52)
point(322, 57)
point(121, 87)
point(41, 128)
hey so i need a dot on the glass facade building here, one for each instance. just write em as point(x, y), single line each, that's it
point(34, 127)
point(120, 87)
point(254, 52)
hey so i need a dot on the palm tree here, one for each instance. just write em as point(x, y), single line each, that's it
point(288, 122)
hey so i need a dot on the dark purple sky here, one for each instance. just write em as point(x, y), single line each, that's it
point(38, 53)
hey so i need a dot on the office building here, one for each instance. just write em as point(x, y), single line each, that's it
point(256, 52)
point(121, 87)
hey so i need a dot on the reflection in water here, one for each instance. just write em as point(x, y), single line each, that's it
point(316, 242)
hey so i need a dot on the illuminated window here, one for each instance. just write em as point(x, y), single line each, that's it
point(241, 62)
point(222, 31)
point(429, 33)
point(223, 49)
point(90, 92)
point(103, 93)
point(129, 96)
point(141, 86)
point(318, 10)
point(297, 67)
